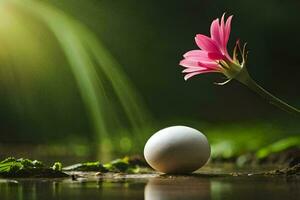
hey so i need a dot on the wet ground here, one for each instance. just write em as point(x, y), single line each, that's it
point(208, 183)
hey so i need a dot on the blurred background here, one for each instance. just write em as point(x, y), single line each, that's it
point(94, 79)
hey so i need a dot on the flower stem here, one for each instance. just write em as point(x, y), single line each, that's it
point(245, 78)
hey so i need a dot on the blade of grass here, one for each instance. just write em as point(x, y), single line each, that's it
point(82, 49)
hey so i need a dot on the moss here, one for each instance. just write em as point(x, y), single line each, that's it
point(123, 165)
point(57, 166)
point(12, 167)
point(118, 165)
point(86, 167)
point(289, 171)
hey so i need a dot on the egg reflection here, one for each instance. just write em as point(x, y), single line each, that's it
point(177, 188)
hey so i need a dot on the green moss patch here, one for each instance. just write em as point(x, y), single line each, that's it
point(119, 165)
point(25, 168)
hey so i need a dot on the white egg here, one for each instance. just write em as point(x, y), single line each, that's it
point(177, 149)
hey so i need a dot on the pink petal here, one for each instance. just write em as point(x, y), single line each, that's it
point(215, 56)
point(199, 59)
point(194, 53)
point(205, 43)
point(189, 63)
point(215, 31)
point(222, 31)
point(227, 30)
point(193, 64)
point(210, 65)
point(194, 69)
point(190, 75)
point(197, 54)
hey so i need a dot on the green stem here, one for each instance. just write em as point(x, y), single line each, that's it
point(245, 78)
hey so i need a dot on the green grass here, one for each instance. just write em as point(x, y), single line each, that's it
point(111, 101)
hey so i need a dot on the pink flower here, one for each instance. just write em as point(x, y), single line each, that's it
point(213, 56)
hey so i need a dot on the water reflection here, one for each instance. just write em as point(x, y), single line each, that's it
point(177, 188)
point(67, 189)
point(149, 187)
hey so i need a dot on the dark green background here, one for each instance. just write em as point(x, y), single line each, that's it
point(149, 37)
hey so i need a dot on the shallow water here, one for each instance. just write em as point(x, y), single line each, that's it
point(153, 187)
